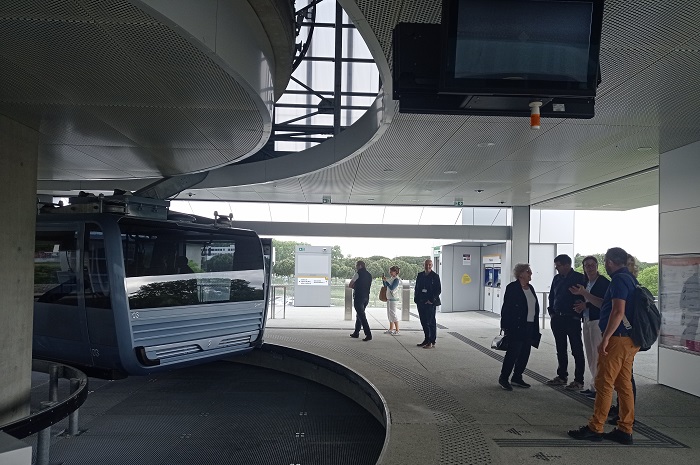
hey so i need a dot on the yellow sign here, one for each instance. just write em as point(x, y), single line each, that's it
point(466, 279)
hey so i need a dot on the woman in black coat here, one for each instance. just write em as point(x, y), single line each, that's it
point(519, 321)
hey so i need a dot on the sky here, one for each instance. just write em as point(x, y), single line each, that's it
point(636, 231)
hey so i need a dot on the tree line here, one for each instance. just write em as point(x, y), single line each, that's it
point(343, 267)
point(648, 272)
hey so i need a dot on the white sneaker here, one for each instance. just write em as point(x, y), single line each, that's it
point(388, 331)
point(396, 333)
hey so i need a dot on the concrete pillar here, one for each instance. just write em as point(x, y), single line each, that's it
point(520, 239)
point(18, 173)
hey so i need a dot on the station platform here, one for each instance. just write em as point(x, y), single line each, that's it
point(442, 406)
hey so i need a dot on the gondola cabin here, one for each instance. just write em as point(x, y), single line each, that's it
point(124, 287)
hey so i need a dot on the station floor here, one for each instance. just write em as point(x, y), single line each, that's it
point(444, 406)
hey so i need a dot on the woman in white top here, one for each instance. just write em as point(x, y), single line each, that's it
point(393, 293)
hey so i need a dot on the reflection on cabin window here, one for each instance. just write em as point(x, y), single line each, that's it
point(55, 265)
point(180, 267)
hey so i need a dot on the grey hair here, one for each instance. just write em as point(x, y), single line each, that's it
point(519, 268)
point(617, 255)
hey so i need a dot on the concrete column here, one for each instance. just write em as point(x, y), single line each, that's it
point(520, 239)
point(18, 174)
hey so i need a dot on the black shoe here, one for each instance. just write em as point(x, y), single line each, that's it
point(355, 335)
point(585, 433)
point(505, 384)
point(613, 420)
point(367, 338)
point(520, 383)
point(619, 436)
point(422, 344)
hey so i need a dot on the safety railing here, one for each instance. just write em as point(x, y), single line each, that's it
point(52, 410)
point(273, 301)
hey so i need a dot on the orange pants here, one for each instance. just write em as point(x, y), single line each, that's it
point(615, 371)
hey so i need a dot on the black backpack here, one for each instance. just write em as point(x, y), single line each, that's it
point(647, 318)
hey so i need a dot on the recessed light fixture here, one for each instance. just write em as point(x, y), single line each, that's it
point(190, 194)
point(485, 144)
point(478, 191)
point(502, 202)
point(643, 149)
point(450, 172)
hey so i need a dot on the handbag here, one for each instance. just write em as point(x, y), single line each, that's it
point(500, 342)
point(382, 294)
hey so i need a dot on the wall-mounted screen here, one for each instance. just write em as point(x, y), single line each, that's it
point(521, 47)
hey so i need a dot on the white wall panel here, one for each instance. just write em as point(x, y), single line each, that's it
point(678, 231)
point(679, 223)
point(678, 178)
point(456, 296)
point(679, 370)
point(557, 226)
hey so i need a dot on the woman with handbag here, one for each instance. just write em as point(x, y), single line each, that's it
point(519, 321)
point(392, 298)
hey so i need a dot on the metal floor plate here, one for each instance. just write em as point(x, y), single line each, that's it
point(219, 413)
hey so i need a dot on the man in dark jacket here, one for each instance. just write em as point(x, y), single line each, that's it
point(361, 283)
point(427, 297)
point(566, 322)
point(596, 285)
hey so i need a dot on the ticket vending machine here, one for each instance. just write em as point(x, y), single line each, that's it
point(488, 286)
point(497, 290)
point(492, 283)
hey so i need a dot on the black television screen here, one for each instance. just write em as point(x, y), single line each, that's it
point(521, 47)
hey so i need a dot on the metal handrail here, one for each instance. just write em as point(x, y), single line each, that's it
point(55, 410)
point(273, 306)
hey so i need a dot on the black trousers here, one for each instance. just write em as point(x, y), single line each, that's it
point(360, 305)
point(427, 321)
point(563, 328)
point(518, 353)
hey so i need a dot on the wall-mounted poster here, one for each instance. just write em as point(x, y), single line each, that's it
point(466, 259)
point(679, 296)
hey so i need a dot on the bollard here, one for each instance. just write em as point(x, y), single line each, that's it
point(73, 417)
point(43, 445)
point(348, 301)
point(53, 383)
point(405, 300)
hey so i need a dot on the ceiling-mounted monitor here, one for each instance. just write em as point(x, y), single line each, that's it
point(547, 48)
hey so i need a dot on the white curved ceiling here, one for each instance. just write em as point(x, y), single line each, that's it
point(647, 104)
point(118, 91)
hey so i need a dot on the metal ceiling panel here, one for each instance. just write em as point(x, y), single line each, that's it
point(105, 73)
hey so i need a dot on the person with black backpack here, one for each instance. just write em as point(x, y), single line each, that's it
point(615, 354)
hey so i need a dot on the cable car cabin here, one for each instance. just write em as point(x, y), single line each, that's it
point(117, 294)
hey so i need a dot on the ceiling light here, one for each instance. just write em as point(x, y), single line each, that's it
point(370, 200)
point(485, 144)
point(478, 191)
point(450, 172)
point(644, 149)
point(502, 202)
